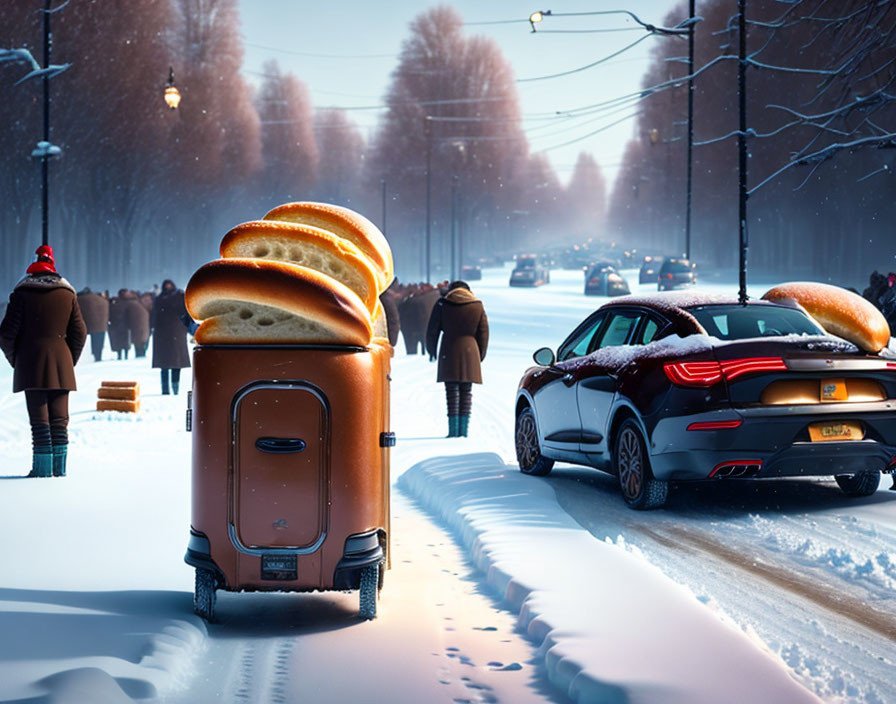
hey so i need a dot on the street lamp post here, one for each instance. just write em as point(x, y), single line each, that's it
point(687, 231)
point(383, 186)
point(427, 126)
point(172, 94)
point(455, 269)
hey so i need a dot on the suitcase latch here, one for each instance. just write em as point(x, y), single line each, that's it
point(387, 439)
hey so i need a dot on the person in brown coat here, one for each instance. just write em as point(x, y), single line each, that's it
point(138, 324)
point(460, 318)
point(169, 335)
point(119, 336)
point(42, 335)
point(95, 310)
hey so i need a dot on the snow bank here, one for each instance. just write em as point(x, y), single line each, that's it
point(610, 626)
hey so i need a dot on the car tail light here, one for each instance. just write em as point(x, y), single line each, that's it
point(594, 281)
point(715, 425)
point(734, 368)
point(670, 276)
point(698, 374)
point(706, 374)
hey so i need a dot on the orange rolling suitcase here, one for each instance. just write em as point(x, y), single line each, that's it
point(290, 470)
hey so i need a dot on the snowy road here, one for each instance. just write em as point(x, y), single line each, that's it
point(502, 586)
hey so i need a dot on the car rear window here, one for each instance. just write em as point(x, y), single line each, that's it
point(676, 267)
point(742, 322)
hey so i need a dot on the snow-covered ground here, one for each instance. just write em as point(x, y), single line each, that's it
point(503, 587)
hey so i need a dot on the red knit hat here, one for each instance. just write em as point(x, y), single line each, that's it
point(45, 262)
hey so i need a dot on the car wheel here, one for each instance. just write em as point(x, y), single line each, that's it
point(640, 489)
point(861, 484)
point(528, 451)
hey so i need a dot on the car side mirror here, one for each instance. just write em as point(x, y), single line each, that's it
point(544, 357)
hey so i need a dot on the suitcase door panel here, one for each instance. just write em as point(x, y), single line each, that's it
point(280, 466)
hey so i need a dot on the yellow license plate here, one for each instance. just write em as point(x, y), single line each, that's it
point(834, 390)
point(835, 432)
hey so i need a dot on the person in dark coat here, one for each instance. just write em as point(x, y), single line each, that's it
point(169, 335)
point(95, 310)
point(138, 324)
point(414, 315)
point(389, 299)
point(460, 318)
point(42, 335)
point(119, 335)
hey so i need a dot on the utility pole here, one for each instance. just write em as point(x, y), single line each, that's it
point(45, 161)
point(454, 267)
point(742, 148)
point(687, 246)
point(427, 127)
point(383, 185)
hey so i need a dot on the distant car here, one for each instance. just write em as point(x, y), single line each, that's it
point(676, 273)
point(601, 279)
point(688, 387)
point(470, 272)
point(529, 271)
point(650, 270)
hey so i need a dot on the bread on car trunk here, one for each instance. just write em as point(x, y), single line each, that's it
point(265, 301)
point(840, 312)
point(344, 223)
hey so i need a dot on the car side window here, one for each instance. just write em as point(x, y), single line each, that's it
point(580, 344)
point(619, 329)
point(649, 330)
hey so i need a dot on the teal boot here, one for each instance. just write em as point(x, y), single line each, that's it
point(453, 426)
point(42, 462)
point(60, 452)
point(463, 425)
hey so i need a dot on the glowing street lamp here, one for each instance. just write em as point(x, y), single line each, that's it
point(537, 16)
point(172, 94)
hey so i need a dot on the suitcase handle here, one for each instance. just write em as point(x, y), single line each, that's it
point(280, 446)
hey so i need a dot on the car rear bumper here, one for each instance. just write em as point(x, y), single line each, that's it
point(773, 443)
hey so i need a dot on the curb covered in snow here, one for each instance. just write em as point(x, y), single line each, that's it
point(610, 626)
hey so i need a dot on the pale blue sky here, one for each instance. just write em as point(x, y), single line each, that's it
point(348, 29)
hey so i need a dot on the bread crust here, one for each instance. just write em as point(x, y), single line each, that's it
point(308, 246)
point(345, 223)
point(840, 312)
point(332, 311)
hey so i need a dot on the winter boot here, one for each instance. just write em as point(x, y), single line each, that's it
point(463, 425)
point(60, 452)
point(41, 445)
point(165, 390)
point(42, 462)
point(175, 380)
point(453, 426)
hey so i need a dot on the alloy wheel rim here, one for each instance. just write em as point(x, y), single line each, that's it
point(526, 441)
point(630, 463)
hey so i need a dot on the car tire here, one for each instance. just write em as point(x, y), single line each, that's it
point(860, 484)
point(640, 489)
point(204, 595)
point(528, 451)
point(369, 592)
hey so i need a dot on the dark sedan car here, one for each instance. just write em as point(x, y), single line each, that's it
point(650, 270)
point(530, 270)
point(676, 273)
point(681, 386)
point(602, 279)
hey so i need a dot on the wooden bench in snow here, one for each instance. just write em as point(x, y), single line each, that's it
point(122, 396)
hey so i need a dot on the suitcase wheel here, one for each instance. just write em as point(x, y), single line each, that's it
point(204, 596)
point(369, 591)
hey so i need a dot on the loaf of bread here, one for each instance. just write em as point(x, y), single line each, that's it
point(840, 312)
point(264, 301)
point(308, 246)
point(123, 393)
point(344, 223)
point(119, 405)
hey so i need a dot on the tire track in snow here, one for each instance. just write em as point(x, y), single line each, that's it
point(840, 603)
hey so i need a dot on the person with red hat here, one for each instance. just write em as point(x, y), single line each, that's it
point(42, 335)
